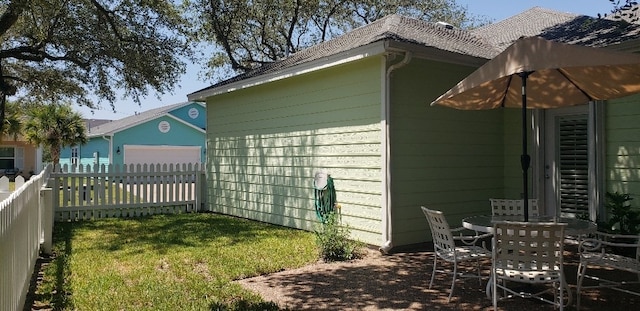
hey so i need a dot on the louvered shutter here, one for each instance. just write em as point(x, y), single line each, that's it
point(574, 164)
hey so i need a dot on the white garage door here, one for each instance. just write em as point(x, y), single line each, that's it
point(139, 154)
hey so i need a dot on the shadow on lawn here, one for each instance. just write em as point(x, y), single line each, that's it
point(164, 232)
point(56, 292)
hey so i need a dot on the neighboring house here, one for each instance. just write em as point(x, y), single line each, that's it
point(170, 134)
point(357, 107)
point(19, 157)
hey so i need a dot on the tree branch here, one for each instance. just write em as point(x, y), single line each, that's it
point(30, 53)
point(11, 15)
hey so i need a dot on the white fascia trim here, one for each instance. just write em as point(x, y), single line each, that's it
point(159, 147)
point(436, 54)
point(185, 123)
point(326, 62)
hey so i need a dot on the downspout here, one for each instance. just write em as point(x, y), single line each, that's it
point(110, 140)
point(386, 155)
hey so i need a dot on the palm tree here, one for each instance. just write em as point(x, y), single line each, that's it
point(12, 121)
point(53, 127)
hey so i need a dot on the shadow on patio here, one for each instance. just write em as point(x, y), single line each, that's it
point(400, 282)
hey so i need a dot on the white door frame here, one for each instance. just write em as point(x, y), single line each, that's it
point(545, 176)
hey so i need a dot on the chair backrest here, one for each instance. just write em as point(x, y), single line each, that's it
point(440, 231)
point(513, 207)
point(528, 246)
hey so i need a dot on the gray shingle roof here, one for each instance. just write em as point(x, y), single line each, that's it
point(392, 27)
point(528, 23)
point(117, 125)
point(558, 26)
point(484, 42)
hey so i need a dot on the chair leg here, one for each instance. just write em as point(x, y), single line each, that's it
point(433, 271)
point(582, 269)
point(453, 282)
point(494, 288)
point(559, 294)
point(479, 275)
point(568, 290)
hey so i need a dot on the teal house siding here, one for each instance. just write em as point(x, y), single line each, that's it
point(180, 134)
point(266, 143)
point(194, 114)
point(442, 158)
point(182, 125)
point(95, 151)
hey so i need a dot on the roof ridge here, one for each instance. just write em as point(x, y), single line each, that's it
point(144, 116)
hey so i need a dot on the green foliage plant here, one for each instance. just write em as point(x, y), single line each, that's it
point(622, 217)
point(333, 240)
point(53, 127)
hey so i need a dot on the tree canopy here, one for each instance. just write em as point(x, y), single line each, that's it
point(626, 10)
point(59, 50)
point(251, 33)
point(53, 127)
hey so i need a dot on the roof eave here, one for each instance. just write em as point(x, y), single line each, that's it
point(629, 46)
point(358, 53)
point(436, 54)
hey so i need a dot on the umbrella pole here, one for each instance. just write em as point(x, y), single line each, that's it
point(525, 159)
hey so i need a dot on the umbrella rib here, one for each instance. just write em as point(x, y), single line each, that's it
point(506, 90)
point(577, 86)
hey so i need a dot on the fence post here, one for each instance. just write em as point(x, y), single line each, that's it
point(46, 203)
point(201, 190)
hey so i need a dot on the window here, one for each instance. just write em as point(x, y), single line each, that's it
point(7, 158)
point(74, 155)
point(573, 164)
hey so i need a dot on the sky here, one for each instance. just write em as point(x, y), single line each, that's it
point(495, 10)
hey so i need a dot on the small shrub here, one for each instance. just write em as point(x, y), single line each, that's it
point(333, 240)
point(623, 218)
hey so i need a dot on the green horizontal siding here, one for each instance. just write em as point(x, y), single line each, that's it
point(442, 158)
point(622, 168)
point(265, 144)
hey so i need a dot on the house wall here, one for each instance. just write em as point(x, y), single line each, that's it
point(622, 168)
point(29, 156)
point(442, 158)
point(86, 151)
point(194, 113)
point(148, 133)
point(265, 144)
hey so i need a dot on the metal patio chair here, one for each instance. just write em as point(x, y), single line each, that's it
point(608, 251)
point(445, 248)
point(530, 253)
point(513, 207)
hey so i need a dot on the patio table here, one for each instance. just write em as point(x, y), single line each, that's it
point(575, 227)
point(484, 223)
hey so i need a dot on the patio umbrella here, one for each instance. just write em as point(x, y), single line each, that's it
point(537, 73)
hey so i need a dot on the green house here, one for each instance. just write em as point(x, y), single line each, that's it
point(357, 107)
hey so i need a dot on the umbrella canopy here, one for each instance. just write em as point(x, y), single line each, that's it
point(537, 73)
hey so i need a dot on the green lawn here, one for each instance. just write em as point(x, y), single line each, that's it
point(173, 262)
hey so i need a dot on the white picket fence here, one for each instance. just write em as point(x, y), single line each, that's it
point(79, 193)
point(23, 223)
point(107, 191)
point(5, 192)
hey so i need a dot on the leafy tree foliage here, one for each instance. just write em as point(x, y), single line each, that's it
point(61, 50)
point(626, 10)
point(53, 127)
point(12, 121)
point(251, 33)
